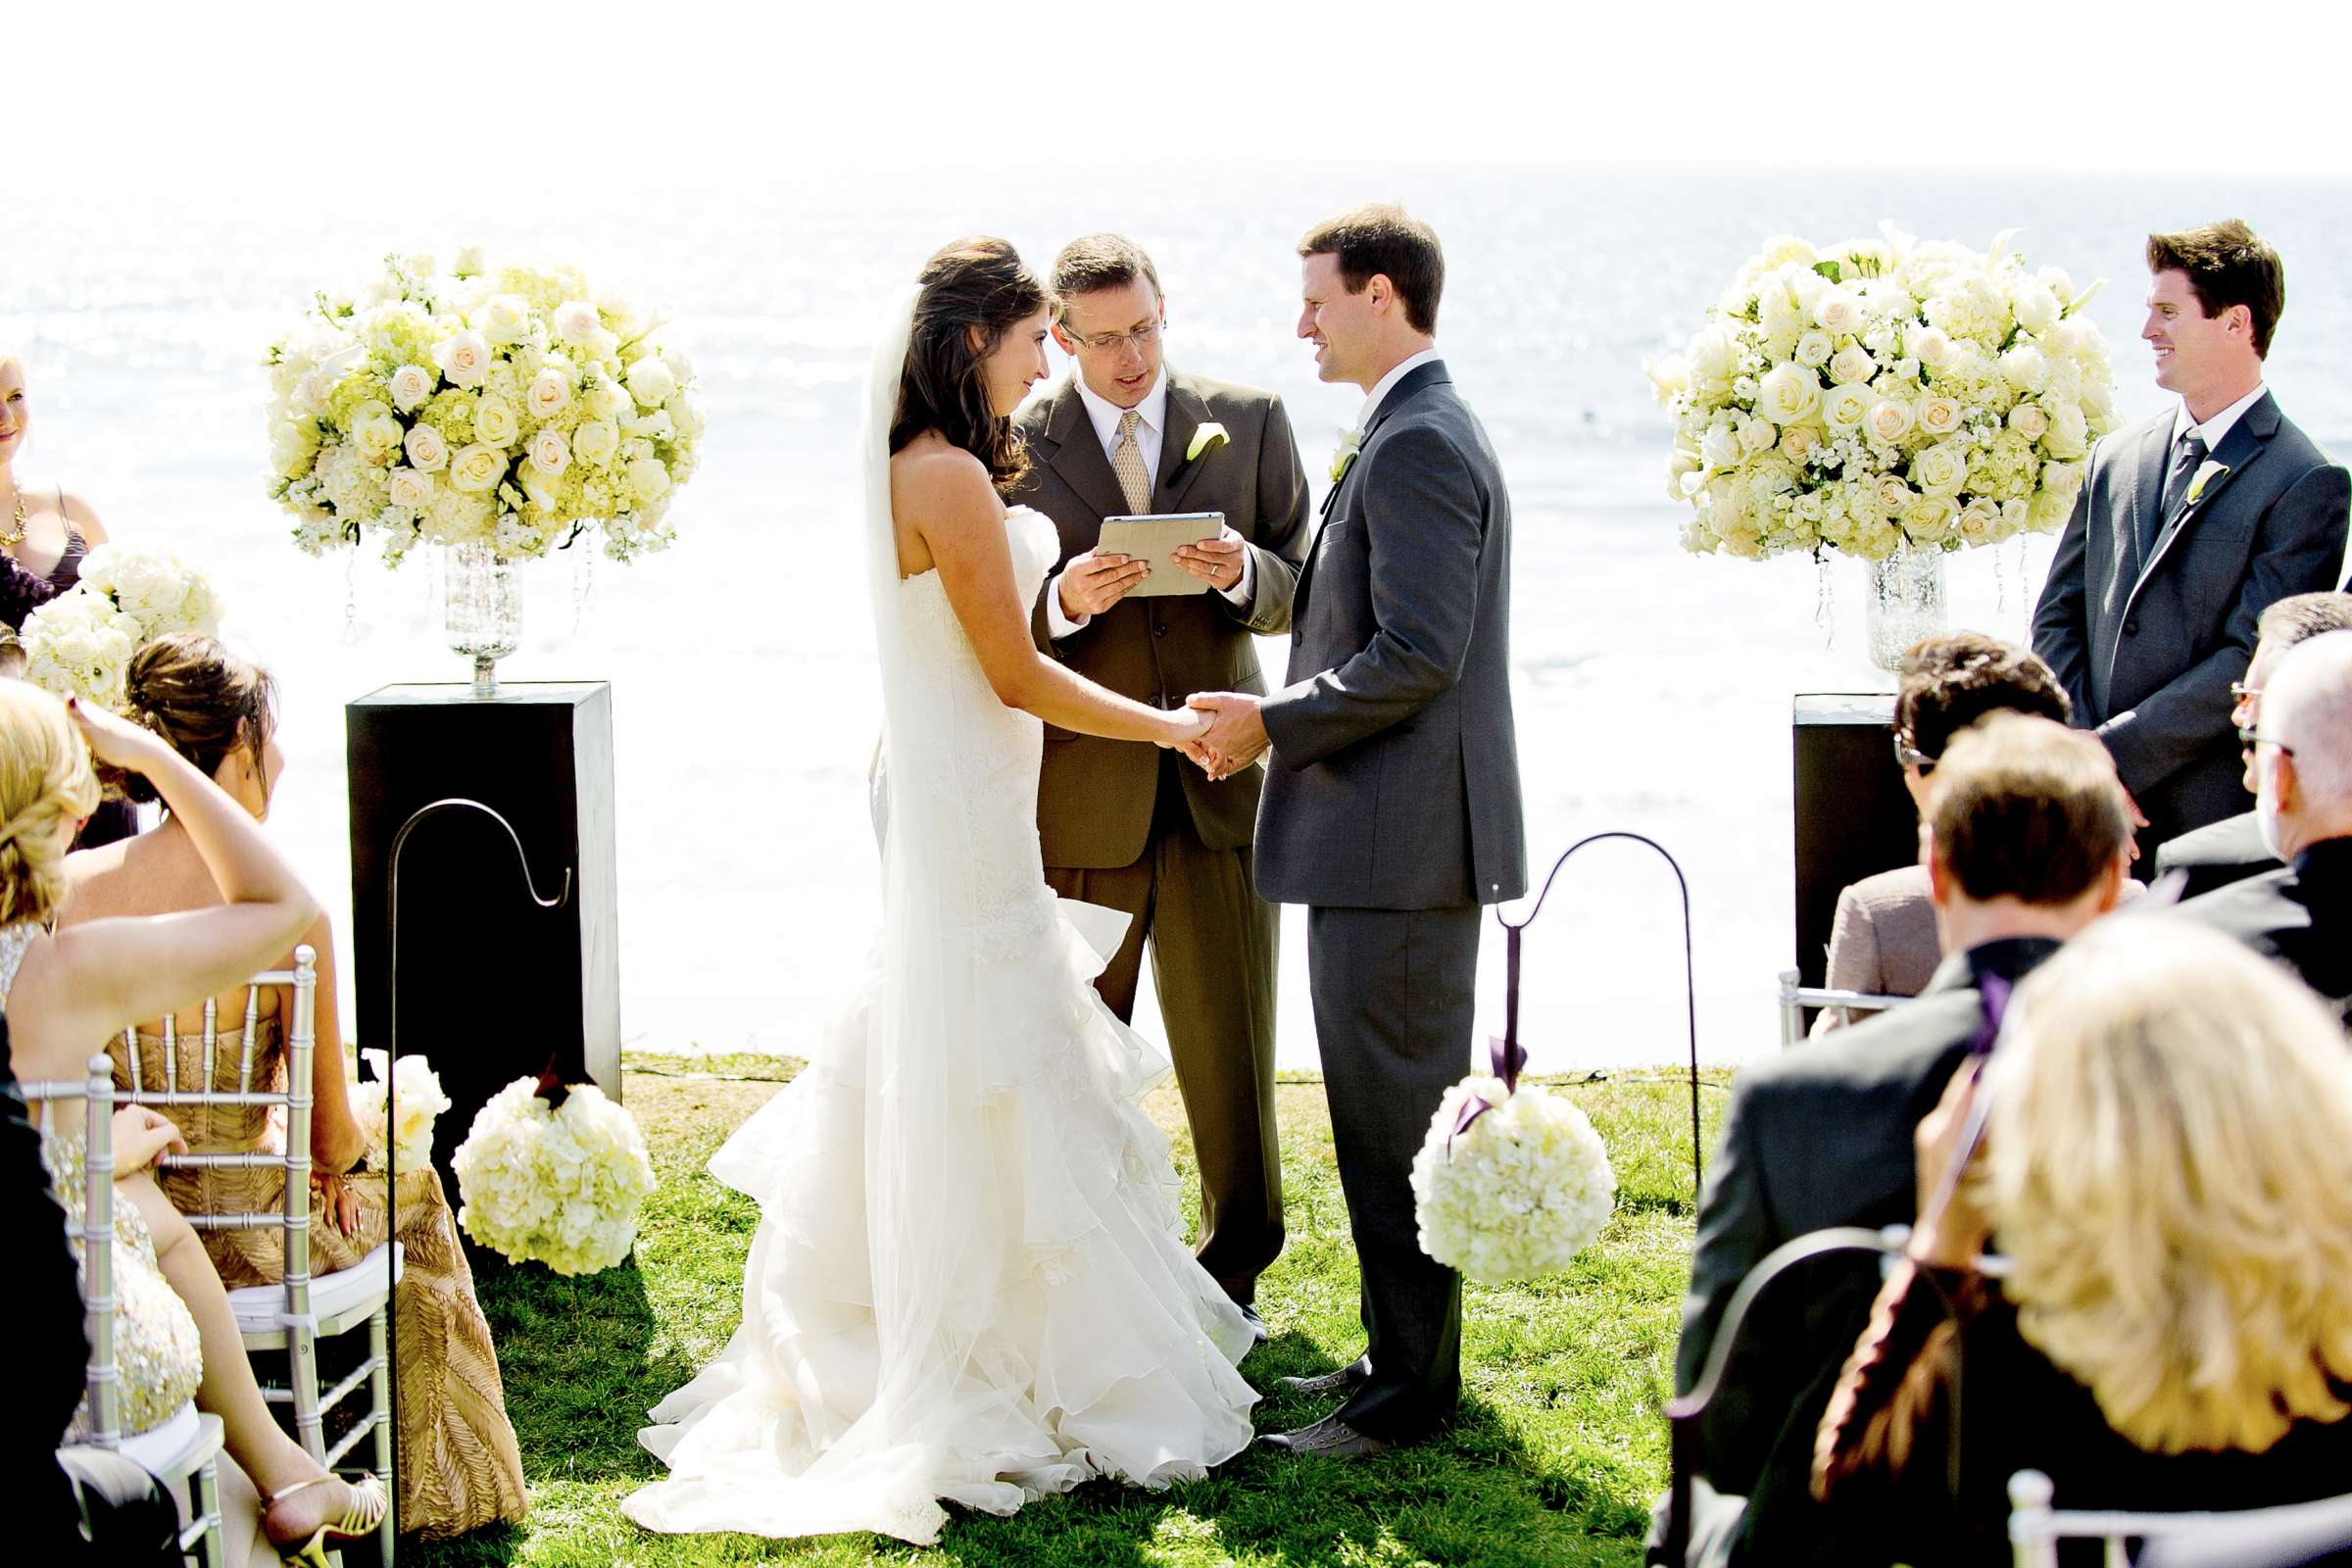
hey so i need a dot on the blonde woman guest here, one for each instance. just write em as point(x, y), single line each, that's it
point(67, 993)
point(459, 1468)
point(2167, 1163)
point(44, 528)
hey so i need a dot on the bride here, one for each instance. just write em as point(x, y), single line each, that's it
point(967, 1284)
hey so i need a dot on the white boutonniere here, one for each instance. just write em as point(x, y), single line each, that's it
point(1352, 442)
point(1206, 440)
point(2207, 471)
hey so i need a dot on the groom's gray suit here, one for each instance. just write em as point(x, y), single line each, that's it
point(1392, 810)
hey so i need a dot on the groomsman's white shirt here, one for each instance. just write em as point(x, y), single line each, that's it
point(2215, 428)
point(1387, 384)
point(1151, 422)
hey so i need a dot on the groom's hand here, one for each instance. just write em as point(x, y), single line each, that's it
point(1237, 735)
point(1092, 583)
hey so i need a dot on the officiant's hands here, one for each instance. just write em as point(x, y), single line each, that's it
point(1093, 582)
point(1237, 735)
point(1215, 562)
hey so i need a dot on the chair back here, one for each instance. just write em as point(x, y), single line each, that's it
point(96, 1228)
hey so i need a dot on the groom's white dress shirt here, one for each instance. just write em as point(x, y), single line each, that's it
point(1151, 423)
point(2214, 429)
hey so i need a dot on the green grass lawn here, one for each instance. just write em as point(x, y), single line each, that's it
point(1554, 1461)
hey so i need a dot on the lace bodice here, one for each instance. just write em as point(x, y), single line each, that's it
point(1000, 886)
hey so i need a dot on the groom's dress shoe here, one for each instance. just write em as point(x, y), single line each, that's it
point(1339, 1382)
point(1330, 1438)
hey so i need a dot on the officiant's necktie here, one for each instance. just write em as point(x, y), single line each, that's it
point(2188, 455)
point(1127, 462)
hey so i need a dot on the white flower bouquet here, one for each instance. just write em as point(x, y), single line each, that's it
point(81, 643)
point(509, 408)
point(561, 1185)
point(1884, 394)
point(1517, 1192)
point(416, 1097)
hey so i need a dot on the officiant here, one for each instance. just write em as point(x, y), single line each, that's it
point(1132, 826)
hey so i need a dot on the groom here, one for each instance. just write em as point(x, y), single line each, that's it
point(1392, 796)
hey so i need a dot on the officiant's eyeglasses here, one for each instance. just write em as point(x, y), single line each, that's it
point(1907, 754)
point(2249, 740)
point(1106, 342)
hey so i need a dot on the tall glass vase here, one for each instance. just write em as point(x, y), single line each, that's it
point(1906, 603)
point(481, 609)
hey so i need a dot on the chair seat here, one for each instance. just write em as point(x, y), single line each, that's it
point(339, 1301)
point(177, 1448)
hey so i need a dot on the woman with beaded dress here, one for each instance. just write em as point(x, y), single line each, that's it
point(68, 991)
point(459, 1467)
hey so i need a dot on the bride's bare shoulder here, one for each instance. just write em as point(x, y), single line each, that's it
point(936, 484)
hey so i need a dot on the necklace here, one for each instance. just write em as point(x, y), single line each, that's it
point(16, 534)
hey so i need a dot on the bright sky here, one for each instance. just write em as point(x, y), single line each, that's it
point(508, 97)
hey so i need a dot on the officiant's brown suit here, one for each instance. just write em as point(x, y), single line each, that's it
point(1133, 827)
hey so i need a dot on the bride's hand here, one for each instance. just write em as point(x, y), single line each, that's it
point(1188, 726)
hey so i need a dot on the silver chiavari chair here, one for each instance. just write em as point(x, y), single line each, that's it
point(183, 1452)
point(2037, 1527)
point(1797, 998)
point(294, 1315)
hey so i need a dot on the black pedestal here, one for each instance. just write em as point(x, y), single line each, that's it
point(1854, 816)
point(492, 987)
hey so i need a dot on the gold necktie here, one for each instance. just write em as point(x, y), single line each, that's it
point(1127, 462)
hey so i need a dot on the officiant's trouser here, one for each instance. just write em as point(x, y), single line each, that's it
point(1212, 964)
point(1392, 992)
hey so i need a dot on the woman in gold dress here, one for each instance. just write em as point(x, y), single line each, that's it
point(459, 1467)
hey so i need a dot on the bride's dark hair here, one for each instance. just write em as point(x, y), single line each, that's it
point(978, 282)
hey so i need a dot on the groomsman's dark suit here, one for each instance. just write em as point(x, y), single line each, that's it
point(2149, 614)
point(2216, 855)
point(2299, 913)
point(1819, 1135)
point(1135, 827)
point(1392, 810)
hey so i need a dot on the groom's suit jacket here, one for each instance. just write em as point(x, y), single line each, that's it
point(1094, 797)
point(1394, 778)
point(2147, 639)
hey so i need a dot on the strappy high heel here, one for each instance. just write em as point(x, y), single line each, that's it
point(364, 1516)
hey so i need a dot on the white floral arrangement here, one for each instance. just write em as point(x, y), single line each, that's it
point(81, 643)
point(507, 406)
point(416, 1097)
point(1884, 394)
point(1516, 1194)
point(561, 1185)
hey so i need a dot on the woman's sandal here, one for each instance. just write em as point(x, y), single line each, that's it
point(369, 1505)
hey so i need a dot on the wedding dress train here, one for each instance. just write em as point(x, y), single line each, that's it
point(968, 1283)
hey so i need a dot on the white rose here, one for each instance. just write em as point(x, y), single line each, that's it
point(1837, 310)
point(1788, 394)
point(651, 383)
point(476, 468)
point(506, 318)
point(1797, 442)
point(377, 437)
point(1937, 413)
point(2025, 368)
point(427, 451)
point(595, 442)
point(608, 401)
point(495, 423)
point(1853, 363)
point(1978, 521)
point(1893, 494)
point(1757, 436)
point(576, 321)
point(411, 385)
point(1929, 345)
point(551, 455)
point(1815, 348)
point(680, 366)
point(649, 479)
point(549, 394)
point(464, 358)
point(470, 260)
point(1927, 520)
point(409, 490)
point(1845, 407)
point(2035, 304)
point(2069, 434)
point(687, 417)
point(1940, 469)
point(2028, 421)
point(1889, 420)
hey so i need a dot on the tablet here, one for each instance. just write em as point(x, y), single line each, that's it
point(1156, 539)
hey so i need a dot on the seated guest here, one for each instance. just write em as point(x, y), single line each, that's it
point(460, 1467)
point(1883, 942)
point(2229, 850)
point(2028, 842)
point(2166, 1165)
point(67, 993)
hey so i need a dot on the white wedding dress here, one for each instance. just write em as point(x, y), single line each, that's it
point(968, 1283)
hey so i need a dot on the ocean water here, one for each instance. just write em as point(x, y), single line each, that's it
point(1652, 687)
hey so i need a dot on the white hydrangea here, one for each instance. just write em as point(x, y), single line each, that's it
point(1525, 1190)
point(153, 585)
point(559, 1186)
point(80, 645)
point(417, 1099)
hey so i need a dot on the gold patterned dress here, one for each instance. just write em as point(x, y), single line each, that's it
point(459, 1467)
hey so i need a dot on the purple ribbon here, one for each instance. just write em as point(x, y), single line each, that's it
point(1508, 1056)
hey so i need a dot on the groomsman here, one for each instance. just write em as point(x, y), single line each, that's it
point(1391, 802)
point(1129, 825)
point(2188, 526)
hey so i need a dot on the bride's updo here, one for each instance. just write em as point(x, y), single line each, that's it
point(977, 282)
point(46, 786)
point(204, 700)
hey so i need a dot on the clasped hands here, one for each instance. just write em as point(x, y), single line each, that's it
point(1231, 732)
